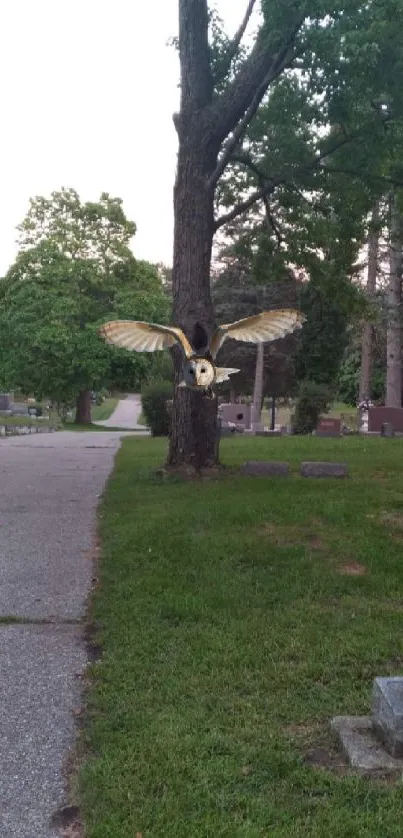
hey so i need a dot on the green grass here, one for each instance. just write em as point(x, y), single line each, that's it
point(73, 426)
point(230, 638)
point(100, 412)
point(28, 420)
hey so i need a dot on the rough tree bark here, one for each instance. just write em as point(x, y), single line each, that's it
point(209, 127)
point(83, 408)
point(394, 299)
point(367, 333)
point(258, 388)
point(194, 418)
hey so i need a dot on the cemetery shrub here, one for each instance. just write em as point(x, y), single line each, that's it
point(154, 398)
point(313, 400)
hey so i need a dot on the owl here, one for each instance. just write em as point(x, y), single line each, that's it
point(199, 372)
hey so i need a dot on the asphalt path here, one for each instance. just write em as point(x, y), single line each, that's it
point(50, 487)
point(126, 415)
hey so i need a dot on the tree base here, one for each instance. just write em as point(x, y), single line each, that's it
point(194, 439)
point(83, 408)
point(185, 471)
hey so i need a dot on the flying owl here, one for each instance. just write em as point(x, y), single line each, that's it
point(198, 368)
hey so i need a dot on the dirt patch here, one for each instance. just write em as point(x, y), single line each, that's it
point(94, 649)
point(352, 569)
point(190, 473)
point(382, 476)
point(304, 730)
point(393, 519)
point(294, 535)
point(318, 748)
point(320, 751)
point(320, 757)
point(68, 821)
point(395, 664)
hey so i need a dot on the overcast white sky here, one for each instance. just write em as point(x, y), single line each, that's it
point(87, 95)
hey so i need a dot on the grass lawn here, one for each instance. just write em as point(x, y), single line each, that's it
point(73, 426)
point(237, 616)
point(29, 420)
point(100, 412)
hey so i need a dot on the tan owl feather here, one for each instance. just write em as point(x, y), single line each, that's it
point(144, 337)
point(260, 328)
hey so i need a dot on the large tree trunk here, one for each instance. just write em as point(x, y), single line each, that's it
point(193, 440)
point(258, 388)
point(367, 334)
point(83, 408)
point(394, 298)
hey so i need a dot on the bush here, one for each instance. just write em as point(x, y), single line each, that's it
point(313, 400)
point(154, 398)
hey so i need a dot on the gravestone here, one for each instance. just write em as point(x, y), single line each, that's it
point(310, 469)
point(19, 409)
point(5, 403)
point(378, 416)
point(329, 427)
point(265, 468)
point(375, 743)
point(361, 746)
point(239, 414)
point(387, 713)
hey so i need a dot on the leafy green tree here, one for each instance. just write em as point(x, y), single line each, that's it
point(350, 375)
point(252, 131)
point(331, 304)
point(96, 232)
point(236, 294)
point(74, 270)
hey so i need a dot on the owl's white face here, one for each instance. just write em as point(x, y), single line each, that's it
point(198, 373)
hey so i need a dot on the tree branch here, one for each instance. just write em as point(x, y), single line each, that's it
point(196, 76)
point(271, 184)
point(243, 206)
point(271, 222)
point(237, 106)
point(263, 183)
point(234, 44)
point(245, 160)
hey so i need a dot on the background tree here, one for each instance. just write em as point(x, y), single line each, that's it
point(237, 293)
point(394, 313)
point(74, 270)
point(367, 332)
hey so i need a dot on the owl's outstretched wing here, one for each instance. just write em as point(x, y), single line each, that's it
point(144, 337)
point(260, 328)
point(223, 373)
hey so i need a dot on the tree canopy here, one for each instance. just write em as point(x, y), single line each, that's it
point(74, 270)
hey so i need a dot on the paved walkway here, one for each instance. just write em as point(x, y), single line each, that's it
point(126, 415)
point(49, 490)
